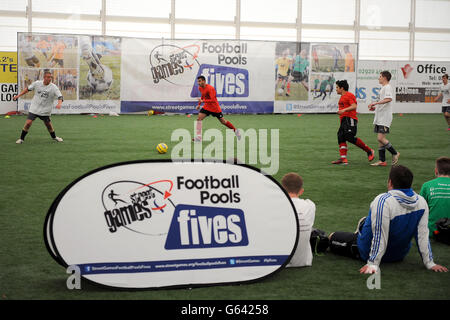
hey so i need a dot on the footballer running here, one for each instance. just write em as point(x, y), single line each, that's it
point(349, 121)
point(210, 107)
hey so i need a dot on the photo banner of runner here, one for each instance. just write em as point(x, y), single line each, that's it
point(99, 74)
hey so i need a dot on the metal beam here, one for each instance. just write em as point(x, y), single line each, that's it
point(237, 20)
point(357, 25)
point(299, 20)
point(172, 19)
point(412, 31)
point(29, 14)
point(103, 17)
point(66, 16)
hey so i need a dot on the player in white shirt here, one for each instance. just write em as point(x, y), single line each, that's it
point(445, 93)
point(306, 212)
point(41, 105)
point(383, 120)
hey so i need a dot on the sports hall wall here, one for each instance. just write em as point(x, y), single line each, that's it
point(126, 75)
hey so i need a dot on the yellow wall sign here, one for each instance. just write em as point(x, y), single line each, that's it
point(8, 67)
point(8, 81)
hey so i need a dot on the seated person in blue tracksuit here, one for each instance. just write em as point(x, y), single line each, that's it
point(385, 235)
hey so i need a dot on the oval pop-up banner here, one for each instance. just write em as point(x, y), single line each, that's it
point(153, 224)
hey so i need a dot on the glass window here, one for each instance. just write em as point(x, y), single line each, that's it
point(321, 35)
point(275, 34)
point(138, 8)
point(379, 13)
point(380, 45)
point(14, 5)
point(269, 11)
point(432, 46)
point(68, 26)
point(68, 6)
point(206, 10)
point(432, 13)
point(138, 30)
point(9, 26)
point(328, 12)
point(183, 31)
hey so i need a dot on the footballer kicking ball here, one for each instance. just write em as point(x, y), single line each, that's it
point(162, 148)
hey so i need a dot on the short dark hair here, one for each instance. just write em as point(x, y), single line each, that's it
point(443, 166)
point(386, 74)
point(292, 182)
point(342, 84)
point(445, 75)
point(401, 177)
point(201, 77)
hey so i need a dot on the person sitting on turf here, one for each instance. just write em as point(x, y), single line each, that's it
point(306, 211)
point(385, 235)
point(437, 193)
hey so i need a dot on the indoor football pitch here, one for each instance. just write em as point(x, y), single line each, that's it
point(33, 174)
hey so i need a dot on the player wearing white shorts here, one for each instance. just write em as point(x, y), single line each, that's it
point(41, 105)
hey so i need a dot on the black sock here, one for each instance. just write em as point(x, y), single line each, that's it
point(23, 134)
point(382, 154)
point(390, 148)
point(53, 134)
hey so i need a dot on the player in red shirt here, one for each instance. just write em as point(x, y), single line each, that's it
point(210, 107)
point(349, 121)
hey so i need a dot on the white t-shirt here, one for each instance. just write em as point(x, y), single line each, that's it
point(44, 97)
point(383, 112)
point(445, 90)
point(306, 213)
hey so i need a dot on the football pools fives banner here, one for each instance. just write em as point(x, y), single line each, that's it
point(124, 75)
point(154, 224)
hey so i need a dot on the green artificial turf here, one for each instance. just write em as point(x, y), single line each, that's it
point(32, 175)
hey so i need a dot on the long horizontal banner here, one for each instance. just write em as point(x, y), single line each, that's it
point(104, 74)
point(126, 75)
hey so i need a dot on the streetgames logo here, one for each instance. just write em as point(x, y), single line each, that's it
point(406, 70)
point(138, 207)
point(174, 64)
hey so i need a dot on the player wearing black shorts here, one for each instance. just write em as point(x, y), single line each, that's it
point(383, 120)
point(218, 115)
point(349, 120)
point(41, 105)
point(211, 107)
